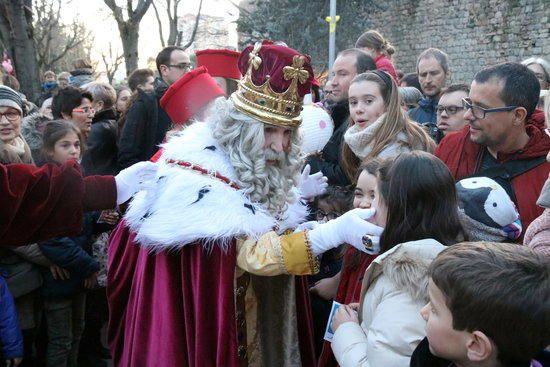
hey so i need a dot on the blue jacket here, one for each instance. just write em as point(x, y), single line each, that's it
point(72, 254)
point(426, 111)
point(11, 338)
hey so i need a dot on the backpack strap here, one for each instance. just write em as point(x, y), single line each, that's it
point(505, 172)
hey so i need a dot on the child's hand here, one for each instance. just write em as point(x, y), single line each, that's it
point(326, 288)
point(110, 217)
point(344, 314)
point(14, 362)
point(91, 281)
point(59, 273)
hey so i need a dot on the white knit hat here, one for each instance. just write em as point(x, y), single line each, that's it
point(10, 98)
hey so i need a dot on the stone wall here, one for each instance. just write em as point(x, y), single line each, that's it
point(474, 33)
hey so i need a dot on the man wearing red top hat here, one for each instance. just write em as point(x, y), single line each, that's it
point(199, 270)
point(223, 65)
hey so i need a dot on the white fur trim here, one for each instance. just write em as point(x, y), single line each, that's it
point(169, 214)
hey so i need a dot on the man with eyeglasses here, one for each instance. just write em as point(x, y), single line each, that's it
point(146, 122)
point(450, 112)
point(505, 139)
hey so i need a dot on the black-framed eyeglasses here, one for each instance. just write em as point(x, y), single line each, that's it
point(328, 216)
point(480, 112)
point(450, 110)
point(10, 115)
point(182, 66)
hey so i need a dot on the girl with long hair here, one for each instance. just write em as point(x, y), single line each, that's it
point(378, 126)
point(416, 204)
point(377, 47)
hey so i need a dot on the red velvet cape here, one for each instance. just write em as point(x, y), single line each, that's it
point(41, 203)
point(178, 308)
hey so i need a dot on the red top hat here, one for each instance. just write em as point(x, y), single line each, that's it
point(222, 63)
point(189, 94)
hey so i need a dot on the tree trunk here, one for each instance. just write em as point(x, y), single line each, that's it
point(16, 15)
point(129, 34)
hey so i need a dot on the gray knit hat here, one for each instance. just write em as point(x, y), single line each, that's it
point(10, 98)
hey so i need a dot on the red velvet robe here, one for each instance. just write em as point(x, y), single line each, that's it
point(178, 308)
point(42, 203)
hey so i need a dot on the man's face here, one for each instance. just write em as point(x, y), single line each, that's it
point(343, 72)
point(495, 130)
point(450, 113)
point(445, 342)
point(277, 142)
point(179, 65)
point(431, 76)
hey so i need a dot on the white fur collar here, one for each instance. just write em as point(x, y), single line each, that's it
point(184, 206)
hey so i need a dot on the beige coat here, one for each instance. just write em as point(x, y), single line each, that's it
point(394, 290)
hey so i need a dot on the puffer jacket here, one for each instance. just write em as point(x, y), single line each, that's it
point(11, 338)
point(394, 290)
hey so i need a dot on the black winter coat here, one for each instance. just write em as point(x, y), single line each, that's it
point(73, 254)
point(330, 162)
point(101, 154)
point(145, 128)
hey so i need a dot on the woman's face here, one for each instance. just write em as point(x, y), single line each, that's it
point(540, 74)
point(10, 124)
point(366, 104)
point(82, 117)
point(122, 101)
point(381, 216)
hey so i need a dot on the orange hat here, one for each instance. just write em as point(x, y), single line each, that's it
point(222, 63)
point(189, 94)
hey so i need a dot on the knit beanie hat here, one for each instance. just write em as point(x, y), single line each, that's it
point(10, 98)
point(486, 211)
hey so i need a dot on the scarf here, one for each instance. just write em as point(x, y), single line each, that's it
point(16, 152)
point(361, 140)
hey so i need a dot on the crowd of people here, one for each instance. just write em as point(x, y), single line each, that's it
point(177, 220)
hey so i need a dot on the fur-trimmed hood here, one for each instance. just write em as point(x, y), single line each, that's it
point(32, 128)
point(406, 266)
point(184, 206)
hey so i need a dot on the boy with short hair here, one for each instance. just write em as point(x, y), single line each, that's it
point(489, 306)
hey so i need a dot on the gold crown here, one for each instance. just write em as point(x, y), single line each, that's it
point(262, 102)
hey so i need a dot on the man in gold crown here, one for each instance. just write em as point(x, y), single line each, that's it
point(202, 269)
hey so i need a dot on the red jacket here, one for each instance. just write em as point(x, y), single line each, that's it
point(41, 203)
point(385, 64)
point(463, 158)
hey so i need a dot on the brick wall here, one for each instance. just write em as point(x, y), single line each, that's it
point(474, 33)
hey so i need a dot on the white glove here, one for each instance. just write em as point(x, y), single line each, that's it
point(313, 185)
point(307, 225)
point(351, 228)
point(132, 179)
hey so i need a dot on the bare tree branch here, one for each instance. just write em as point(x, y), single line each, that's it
point(194, 33)
point(157, 15)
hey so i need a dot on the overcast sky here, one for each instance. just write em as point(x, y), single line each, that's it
point(97, 17)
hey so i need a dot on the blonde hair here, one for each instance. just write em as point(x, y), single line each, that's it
point(373, 39)
point(101, 92)
point(395, 122)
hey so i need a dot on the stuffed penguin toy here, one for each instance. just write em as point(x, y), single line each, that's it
point(486, 211)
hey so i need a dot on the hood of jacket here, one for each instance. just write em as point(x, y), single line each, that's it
point(406, 266)
point(108, 114)
point(32, 128)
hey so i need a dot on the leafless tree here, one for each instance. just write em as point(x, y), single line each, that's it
point(175, 36)
point(16, 34)
point(54, 40)
point(111, 62)
point(129, 28)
